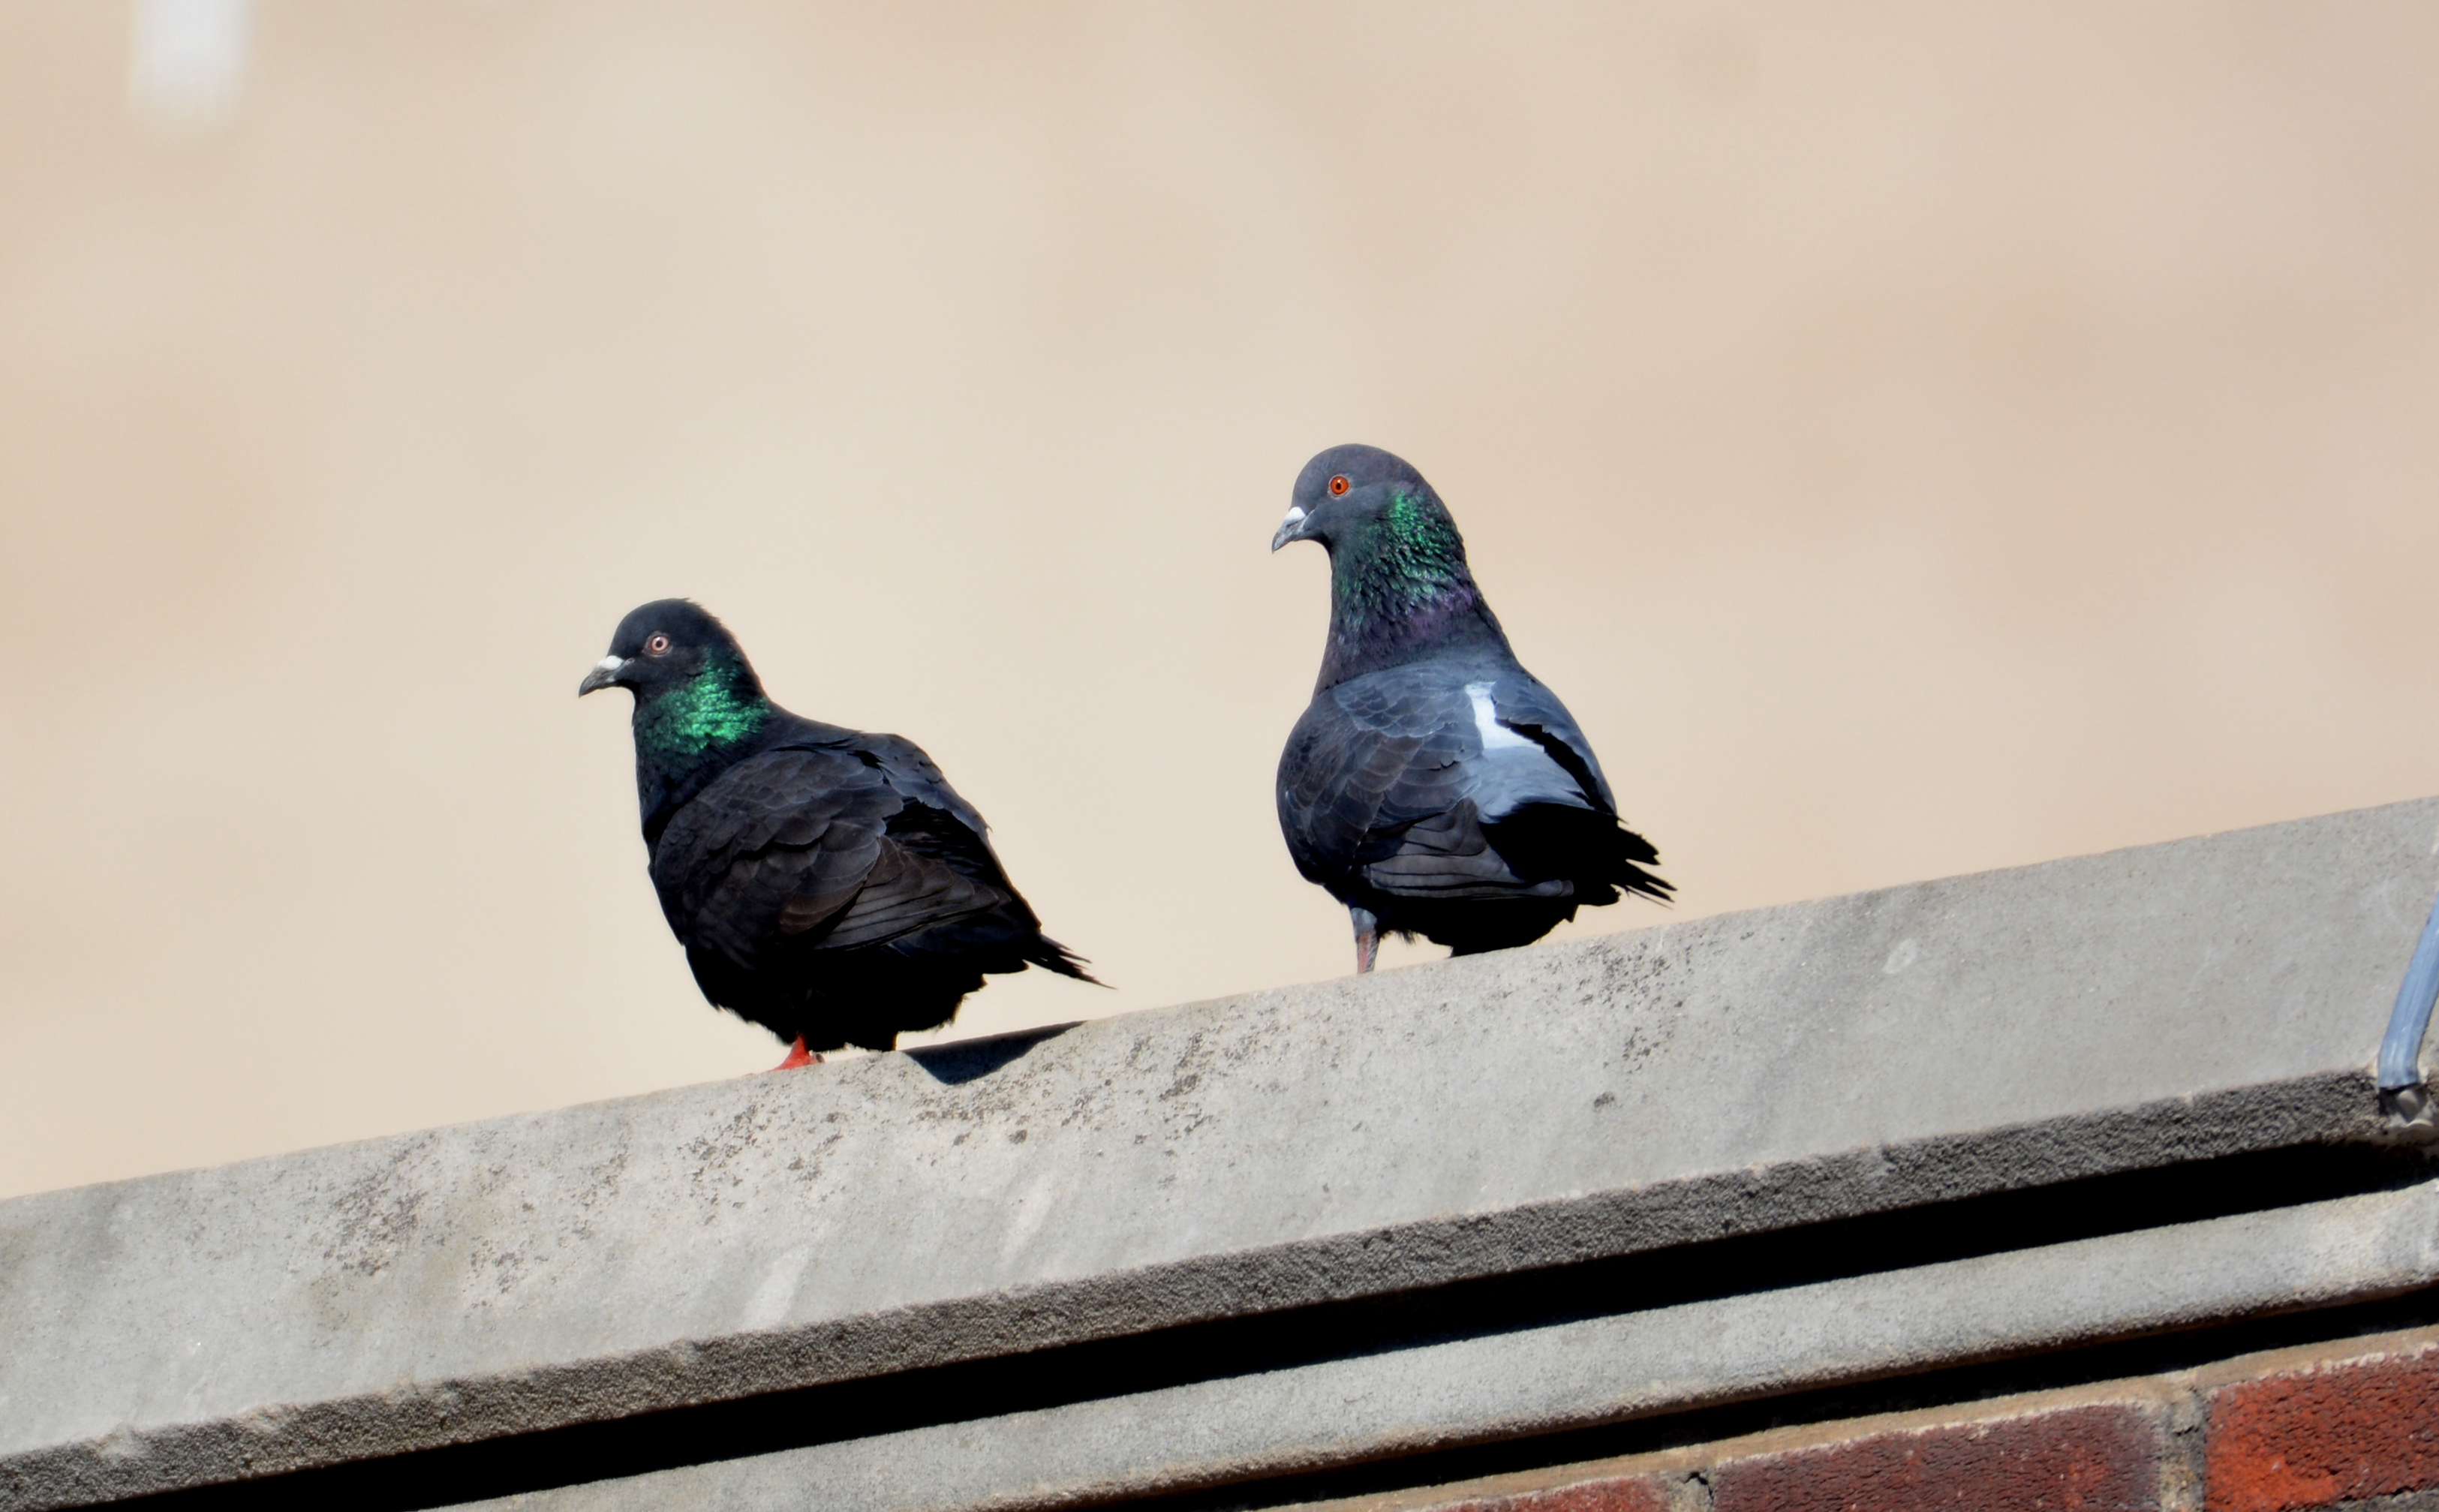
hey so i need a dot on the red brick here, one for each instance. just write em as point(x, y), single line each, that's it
point(2336, 1433)
point(1623, 1493)
point(2093, 1458)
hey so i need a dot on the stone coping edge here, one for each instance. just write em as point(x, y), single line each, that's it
point(2326, 1108)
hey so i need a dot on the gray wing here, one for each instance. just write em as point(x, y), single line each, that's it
point(1389, 777)
point(1534, 750)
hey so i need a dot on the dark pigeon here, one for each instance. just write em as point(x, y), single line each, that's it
point(1434, 785)
point(827, 884)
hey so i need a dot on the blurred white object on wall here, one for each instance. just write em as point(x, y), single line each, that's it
point(186, 64)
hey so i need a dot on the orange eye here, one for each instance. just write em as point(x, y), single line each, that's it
point(657, 645)
point(1339, 484)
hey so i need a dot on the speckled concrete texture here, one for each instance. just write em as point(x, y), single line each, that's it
point(1574, 1374)
point(1738, 1073)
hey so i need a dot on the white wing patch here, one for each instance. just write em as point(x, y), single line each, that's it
point(1495, 736)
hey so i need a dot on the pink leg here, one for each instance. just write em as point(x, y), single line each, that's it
point(798, 1056)
point(1367, 939)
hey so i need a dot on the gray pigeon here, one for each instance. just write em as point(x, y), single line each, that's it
point(1434, 786)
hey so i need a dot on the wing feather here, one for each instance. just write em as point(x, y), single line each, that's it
point(817, 848)
point(1388, 781)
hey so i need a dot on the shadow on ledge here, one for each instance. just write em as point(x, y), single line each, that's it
point(963, 1060)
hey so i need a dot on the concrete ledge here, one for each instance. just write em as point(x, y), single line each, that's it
point(1578, 1375)
point(1742, 1073)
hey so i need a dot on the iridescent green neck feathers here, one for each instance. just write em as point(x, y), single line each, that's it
point(1410, 560)
point(718, 707)
point(1400, 588)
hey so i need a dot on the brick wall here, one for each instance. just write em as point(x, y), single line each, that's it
point(2344, 1425)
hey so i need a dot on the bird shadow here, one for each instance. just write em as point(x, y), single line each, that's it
point(963, 1060)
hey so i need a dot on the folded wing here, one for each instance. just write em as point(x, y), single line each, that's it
point(1438, 782)
point(815, 849)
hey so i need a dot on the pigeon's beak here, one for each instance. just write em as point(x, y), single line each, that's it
point(604, 674)
point(1291, 529)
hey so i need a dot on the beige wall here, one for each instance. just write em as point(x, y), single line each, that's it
point(1915, 439)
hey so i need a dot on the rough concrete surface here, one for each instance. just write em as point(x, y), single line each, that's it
point(1734, 1073)
point(1577, 1375)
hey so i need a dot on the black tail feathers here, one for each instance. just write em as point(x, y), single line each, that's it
point(1052, 956)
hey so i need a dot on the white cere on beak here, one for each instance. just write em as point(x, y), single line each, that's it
point(1295, 517)
point(610, 664)
point(1485, 719)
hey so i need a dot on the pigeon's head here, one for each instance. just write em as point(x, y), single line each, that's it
point(665, 645)
point(1342, 495)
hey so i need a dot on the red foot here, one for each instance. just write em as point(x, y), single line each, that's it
point(798, 1056)
point(1367, 950)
